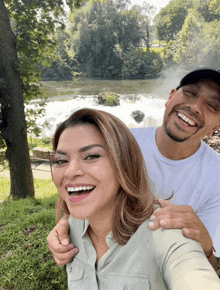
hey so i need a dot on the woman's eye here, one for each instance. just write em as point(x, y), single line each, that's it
point(60, 161)
point(92, 156)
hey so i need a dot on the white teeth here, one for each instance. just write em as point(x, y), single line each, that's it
point(187, 120)
point(75, 189)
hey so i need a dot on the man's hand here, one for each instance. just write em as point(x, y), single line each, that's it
point(183, 217)
point(59, 243)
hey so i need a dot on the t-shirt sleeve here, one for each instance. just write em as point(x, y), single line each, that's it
point(209, 214)
point(182, 262)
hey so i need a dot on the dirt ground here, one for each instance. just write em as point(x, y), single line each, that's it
point(41, 171)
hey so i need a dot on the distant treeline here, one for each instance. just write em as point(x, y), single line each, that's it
point(105, 40)
point(110, 39)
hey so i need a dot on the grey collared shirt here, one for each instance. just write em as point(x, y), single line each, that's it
point(163, 259)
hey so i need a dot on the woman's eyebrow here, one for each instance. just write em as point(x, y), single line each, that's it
point(60, 152)
point(83, 149)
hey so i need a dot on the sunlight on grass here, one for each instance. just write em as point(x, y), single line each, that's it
point(43, 188)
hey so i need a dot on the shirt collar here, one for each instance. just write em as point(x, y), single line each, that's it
point(109, 239)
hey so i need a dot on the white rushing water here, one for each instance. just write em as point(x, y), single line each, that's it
point(58, 111)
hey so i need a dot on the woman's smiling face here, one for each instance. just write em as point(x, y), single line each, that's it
point(83, 173)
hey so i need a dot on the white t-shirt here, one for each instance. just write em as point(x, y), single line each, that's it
point(195, 180)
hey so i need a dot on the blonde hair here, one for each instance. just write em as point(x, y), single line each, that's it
point(135, 203)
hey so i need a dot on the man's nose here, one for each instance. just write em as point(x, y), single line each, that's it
point(195, 106)
point(74, 168)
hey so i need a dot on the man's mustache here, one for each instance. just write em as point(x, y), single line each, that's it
point(197, 118)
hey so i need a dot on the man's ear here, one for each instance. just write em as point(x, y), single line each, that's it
point(216, 127)
point(173, 91)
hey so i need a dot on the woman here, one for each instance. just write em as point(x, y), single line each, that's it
point(101, 178)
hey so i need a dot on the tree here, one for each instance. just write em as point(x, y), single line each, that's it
point(95, 40)
point(189, 42)
point(20, 52)
point(197, 44)
point(102, 32)
point(63, 61)
point(170, 19)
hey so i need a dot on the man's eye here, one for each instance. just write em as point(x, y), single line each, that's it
point(213, 107)
point(92, 156)
point(190, 93)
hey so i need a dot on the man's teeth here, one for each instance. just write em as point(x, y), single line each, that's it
point(187, 120)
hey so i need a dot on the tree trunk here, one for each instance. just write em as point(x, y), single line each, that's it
point(13, 124)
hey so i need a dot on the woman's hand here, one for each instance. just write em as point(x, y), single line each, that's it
point(59, 243)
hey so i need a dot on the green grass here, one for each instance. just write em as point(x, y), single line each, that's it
point(25, 260)
point(43, 188)
point(4, 187)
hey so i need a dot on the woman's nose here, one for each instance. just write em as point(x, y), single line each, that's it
point(74, 169)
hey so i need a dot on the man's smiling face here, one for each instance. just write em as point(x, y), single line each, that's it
point(192, 111)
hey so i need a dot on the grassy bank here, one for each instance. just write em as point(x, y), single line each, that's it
point(25, 260)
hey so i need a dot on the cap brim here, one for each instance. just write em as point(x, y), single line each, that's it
point(198, 75)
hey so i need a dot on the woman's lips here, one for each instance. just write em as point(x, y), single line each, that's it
point(79, 197)
point(79, 192)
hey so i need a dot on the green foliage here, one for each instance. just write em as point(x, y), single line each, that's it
point(109, 99)
point(138, 63)
point(205, 8)
point(103, 32)
point(25, 260)
point(42, 142)
point(63, 65)
point(197, 44)
point(214, 7)
point(171, 18)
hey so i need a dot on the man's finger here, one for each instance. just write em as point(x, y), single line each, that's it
point(65, 258)
point(167, 207)
point(62, 230)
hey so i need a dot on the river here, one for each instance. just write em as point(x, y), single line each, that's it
point(147, 96)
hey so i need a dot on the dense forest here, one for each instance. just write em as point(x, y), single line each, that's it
point(112, 39)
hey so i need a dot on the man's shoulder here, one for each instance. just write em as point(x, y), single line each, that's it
point(210, 155)
point(142, 132)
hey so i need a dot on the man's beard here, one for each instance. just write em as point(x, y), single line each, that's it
point(173, 135)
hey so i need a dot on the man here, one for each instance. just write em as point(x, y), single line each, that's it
point(180, 167)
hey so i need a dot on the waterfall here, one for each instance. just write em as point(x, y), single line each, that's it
point(57, 111)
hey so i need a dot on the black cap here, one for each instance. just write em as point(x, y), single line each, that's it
point(200, 74)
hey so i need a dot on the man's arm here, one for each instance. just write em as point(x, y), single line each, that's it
point(59, 243)
point(171, 216)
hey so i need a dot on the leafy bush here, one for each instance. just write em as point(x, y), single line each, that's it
point(138, 63)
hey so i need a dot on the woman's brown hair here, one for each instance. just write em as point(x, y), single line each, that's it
point(135, 203)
